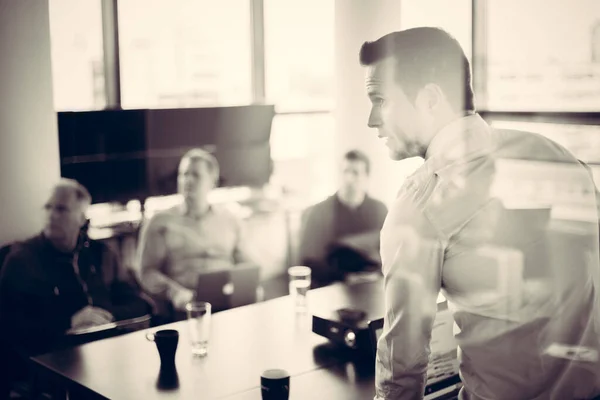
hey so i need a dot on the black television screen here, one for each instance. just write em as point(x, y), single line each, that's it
point(239, 137)
point(134, 154)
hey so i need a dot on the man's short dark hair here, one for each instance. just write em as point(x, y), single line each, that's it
point(425, 55)
point(357, 155)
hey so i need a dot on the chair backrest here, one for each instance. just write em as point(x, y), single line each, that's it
point(4, 251)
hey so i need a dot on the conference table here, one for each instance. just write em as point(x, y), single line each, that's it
point(244, 342)
point(346, 380)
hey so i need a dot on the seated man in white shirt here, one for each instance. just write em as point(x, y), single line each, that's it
point(179, 244)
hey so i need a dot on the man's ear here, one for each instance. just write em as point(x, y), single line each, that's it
point(429, 97)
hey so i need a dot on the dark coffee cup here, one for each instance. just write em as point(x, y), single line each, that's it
point(166, 342)
point(275, 384)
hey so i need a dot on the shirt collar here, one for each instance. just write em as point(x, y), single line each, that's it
point(210, 210)
point(462, 137)
point(340, 201)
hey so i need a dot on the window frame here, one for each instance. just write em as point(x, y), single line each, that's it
point(479, 66)
point(112, 60)
point(479, 56)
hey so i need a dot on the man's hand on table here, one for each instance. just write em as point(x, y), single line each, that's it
point(90, 316)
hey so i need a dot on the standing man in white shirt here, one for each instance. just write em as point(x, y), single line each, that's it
point(520, 277)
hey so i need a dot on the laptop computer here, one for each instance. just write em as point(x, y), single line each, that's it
point(443, 381)
point(245, 281)
point(225, 289)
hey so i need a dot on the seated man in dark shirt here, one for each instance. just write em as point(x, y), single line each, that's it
point(341, 233)
point(59, 280)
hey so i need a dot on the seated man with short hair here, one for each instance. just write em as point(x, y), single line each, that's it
point(59, 280)
point(341, 233)
point(178, 245)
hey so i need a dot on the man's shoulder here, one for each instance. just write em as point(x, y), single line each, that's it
point(225, 214)
point(375, 203)
point(519, 144)
point(163, 217)
point(324, 204)
point(30, 247)
point(23, 256)
point(321, 210)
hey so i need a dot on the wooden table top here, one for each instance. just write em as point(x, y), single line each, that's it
point(350, 380)
point(244, 342)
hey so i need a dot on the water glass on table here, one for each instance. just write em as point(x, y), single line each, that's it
point(299, 286)
point(199, 316)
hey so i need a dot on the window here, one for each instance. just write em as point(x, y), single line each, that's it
point(299, 54)
point(303, 148)
point(299, 65)
point(452, 16)
point(194, 54)
point(542, 55)
point(77, 55)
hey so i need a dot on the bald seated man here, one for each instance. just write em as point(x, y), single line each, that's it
point(57, 281)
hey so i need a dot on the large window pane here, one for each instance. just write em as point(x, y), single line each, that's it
point(543, 55)
point(77, 54)
point(303, 148)
point(299, 54)
point(186, 53)
point(452, 16)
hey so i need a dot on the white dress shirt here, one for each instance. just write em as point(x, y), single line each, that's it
point(505, 224)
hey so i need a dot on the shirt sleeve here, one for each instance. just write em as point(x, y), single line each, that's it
point(153, 255)
point(412, 280)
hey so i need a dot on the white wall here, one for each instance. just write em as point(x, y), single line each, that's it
point(29, 154)
point(355, 22)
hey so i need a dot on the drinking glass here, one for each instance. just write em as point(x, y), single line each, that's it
point(199, 316)
point(299, 286)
